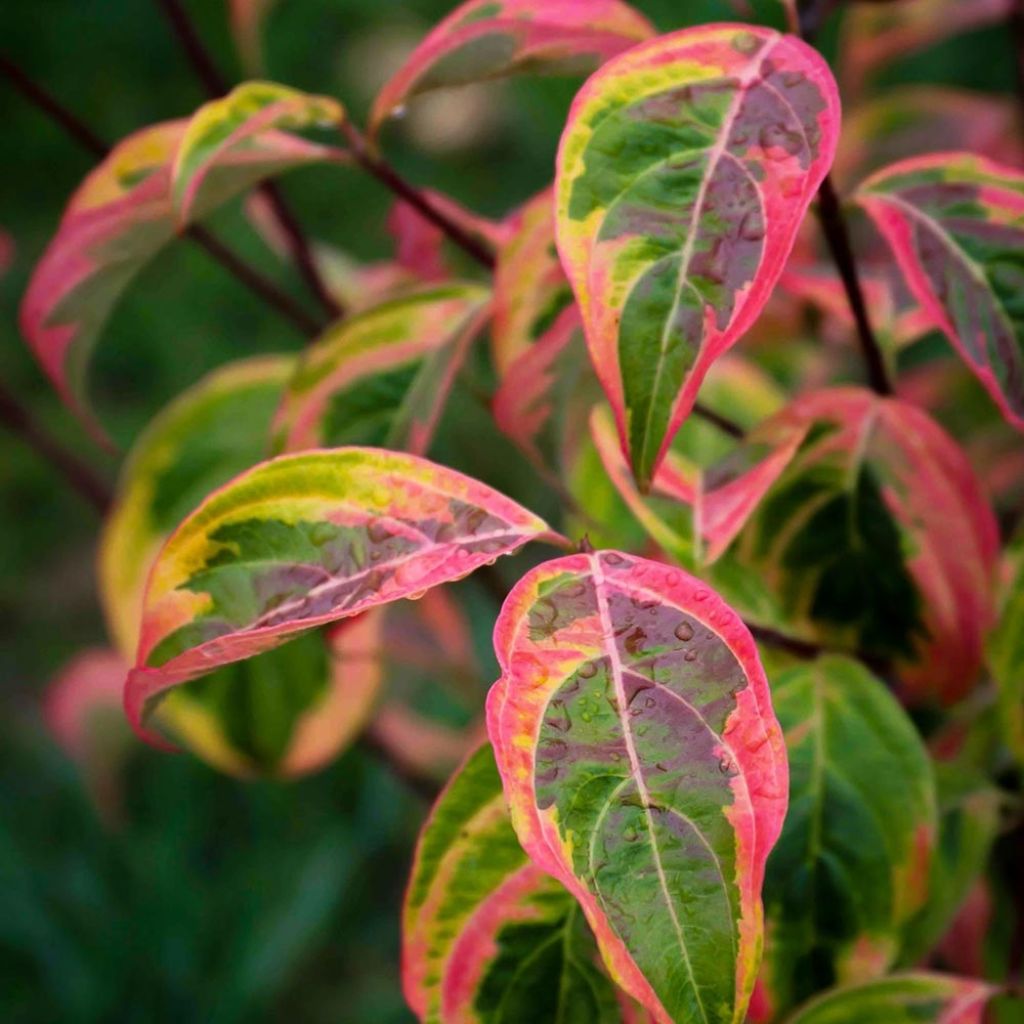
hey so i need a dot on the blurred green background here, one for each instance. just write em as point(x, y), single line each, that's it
point(210, 899)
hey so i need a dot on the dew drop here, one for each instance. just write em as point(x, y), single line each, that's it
point(690, 656)
point(587, 670)
point(684, 631)
point(700, 595)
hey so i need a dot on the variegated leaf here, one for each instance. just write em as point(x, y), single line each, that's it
point(487, 937)
point(119, 218)
point(232, 123)
point(913, 998)
point(383, 376)
point(851, 866)
point(644, 769)
point(304, 540)
point(683, 174)
point(207, 435)
point(955, 223)
point(485, 39)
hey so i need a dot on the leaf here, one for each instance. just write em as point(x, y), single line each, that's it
point(247, 18)
point(486, 935)
point(304, 540)
point(231, 123)
point(851, 866)
point(283, 713)
point(953, 221)
point(644, 768)
point(382, 377)
point(485, 39)
point(531, 291)
point(912, 998)
point(210, 433)
point(1005, 649)
point(682, 177)
point(119, 218)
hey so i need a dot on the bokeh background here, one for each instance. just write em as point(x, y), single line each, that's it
point(202, 898)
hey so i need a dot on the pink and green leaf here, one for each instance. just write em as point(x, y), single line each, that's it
point(305, 540)
point(210, 433)
point(644, 769)
point(912, 998)
point(117, 220)
point(486, 935)
point(487, 39)
point(382, 377)
point(233, 124)
point(673, 249)
point(955, 223)
point(835, 909)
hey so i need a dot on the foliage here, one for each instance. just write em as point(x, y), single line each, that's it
point(759, 718)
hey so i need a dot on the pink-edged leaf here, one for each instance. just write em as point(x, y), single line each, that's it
point(955, 223)
point(247, 18)
point(116, 221)
point(683, 174)
point(233, 122)
point(530, 288)
point(382, 377)
point(485, 39)
point(304, 540)
point(486, 935)
point(912, 998)
point(644, 769)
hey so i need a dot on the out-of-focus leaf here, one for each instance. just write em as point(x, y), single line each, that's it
point(247, 19)
point(955, 223)
point(486, 935)
point(382, 377)
point(1005, 649)
point(302, 541)
point(912, 998)
point(207, 435)
point(644, 768)
point(116, 221)
point(530, 288)
point(232, 123)
point(851, 865)
point(683, 174)
point(485, 39)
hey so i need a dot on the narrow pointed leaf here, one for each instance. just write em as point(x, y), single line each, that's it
point(118, 220)
point(304, 540)
point(247, 20)
point(913, 998)
point(1005, 650)
point(382, 377)
point(955, 223)
point(231, 123)
point(683, 174)
point(207, 435)
point(835, 908)
point(486, 935)
point(644, 769)
point(485, 39)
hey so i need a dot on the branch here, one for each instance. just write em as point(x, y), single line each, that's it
point(216, 86)
point(93, 144)
point(391, 179)
point(20, 422)
point(724, 424)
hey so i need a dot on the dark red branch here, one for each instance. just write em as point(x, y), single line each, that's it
point(724, 424)
point(82, 478)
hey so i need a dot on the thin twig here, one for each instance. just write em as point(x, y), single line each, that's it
point(1016, 27)
point(392, 180)
point(93, 144)
point(216, 86)
point(82, 478)
point(724, 424)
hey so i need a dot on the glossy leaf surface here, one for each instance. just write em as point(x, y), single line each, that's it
point(231, 122)
point(487, 936)
point(116, 221)
point(955, 223)
point(644, 769)
point(484, 39)
point(382, 377)
point(207, 435)
point(913, 998)
point(851, 866)
point(304, 540)
point(683, 174)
